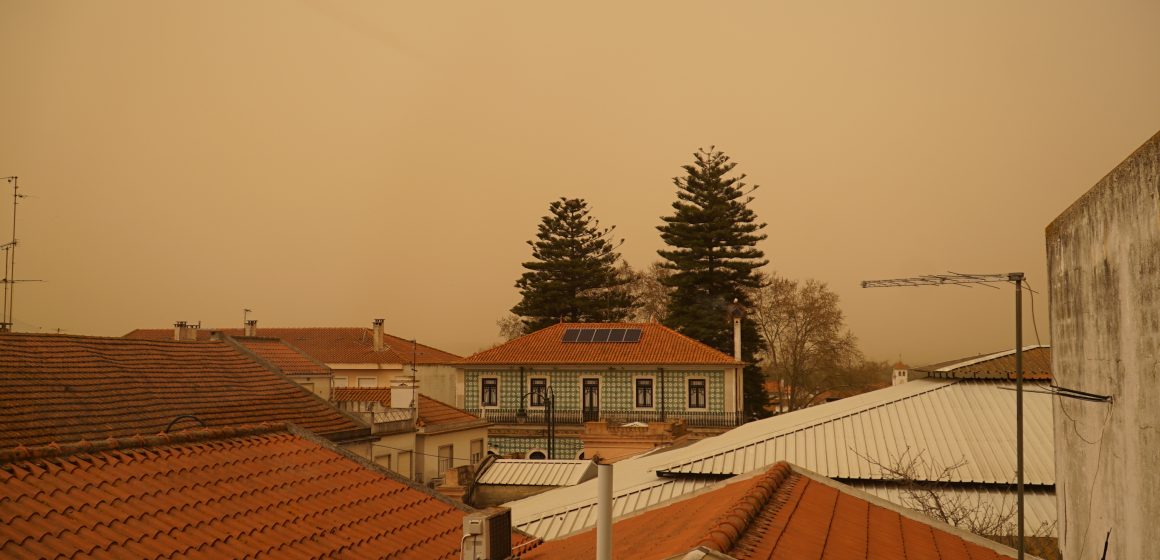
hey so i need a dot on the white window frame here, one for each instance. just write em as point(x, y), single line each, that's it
point(498, 401)
point(476, 457)
point(443, 464)
point(654, 392)
point(359, 383)
point(341, 381)
point(688, 405)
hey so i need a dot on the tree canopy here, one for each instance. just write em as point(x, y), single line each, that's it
point(573, 275)
point(806, 345)
point(712, 257)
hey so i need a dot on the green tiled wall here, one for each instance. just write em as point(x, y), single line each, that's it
point(616, 388)
point(566, 448)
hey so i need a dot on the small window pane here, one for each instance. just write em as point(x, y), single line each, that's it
point(696, 393)
point(539, 392)
point(644, 393)
point(489, 391)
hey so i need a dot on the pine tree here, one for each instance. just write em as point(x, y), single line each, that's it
point(713, 258)
point(574, 275)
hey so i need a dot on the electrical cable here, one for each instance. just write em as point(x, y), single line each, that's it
point(424, 454)
point(1099, 460)
point(1034, 323)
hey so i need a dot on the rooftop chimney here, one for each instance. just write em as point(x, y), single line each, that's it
point(736, 312)
point(252, 327)
point(185, 331)
point(378, 323)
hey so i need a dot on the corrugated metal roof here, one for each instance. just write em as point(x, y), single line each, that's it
point(965, 422)
point(1039, 505)
point(943, 421)
point(533, 472)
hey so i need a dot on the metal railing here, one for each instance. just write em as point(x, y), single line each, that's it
point(695, 419)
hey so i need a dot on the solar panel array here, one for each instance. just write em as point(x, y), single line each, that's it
point(602, 335)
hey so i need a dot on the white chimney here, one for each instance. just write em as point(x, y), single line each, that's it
point(378, 323)
point(252, 327)
point(736, 312)
point(179, 330)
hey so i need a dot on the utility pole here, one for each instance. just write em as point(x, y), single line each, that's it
point(956, 279)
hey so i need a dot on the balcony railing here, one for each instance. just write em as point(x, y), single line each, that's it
point(693, 419)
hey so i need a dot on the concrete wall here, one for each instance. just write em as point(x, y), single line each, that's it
point(460, 441)
point(1103, 258)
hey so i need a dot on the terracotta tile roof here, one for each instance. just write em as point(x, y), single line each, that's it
point(283, 355)
point(59, 388)
point(432, 413)
point(1000, 365)
point(331, 345)
point(781, 513)
point(658, 345)
point(223, 493)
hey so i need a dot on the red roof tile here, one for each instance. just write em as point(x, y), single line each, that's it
point(282, 355)
point(658, 345)
point(217, 494)
point(331, 345)
point(432, 413)
point(1036, 365)
point(66, 388)
point(780, 513)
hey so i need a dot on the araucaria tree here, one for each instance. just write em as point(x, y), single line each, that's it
point(713, 258)
point(574, 275)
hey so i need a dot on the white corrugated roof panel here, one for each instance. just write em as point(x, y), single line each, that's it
point(535, 472)
point(943, 422)
point(1039, 505)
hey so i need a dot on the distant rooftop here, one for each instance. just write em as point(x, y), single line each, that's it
point(62, 388)
point(283, 355)
point(604, 344)
point(331, 345)
point(997, 365)
point(432, 413)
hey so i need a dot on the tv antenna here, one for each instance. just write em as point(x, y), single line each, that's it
point(968, 280)
point(9, 248)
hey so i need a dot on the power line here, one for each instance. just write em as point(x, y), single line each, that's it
point(423, 454)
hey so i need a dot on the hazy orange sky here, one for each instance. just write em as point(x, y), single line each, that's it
point(329, 163)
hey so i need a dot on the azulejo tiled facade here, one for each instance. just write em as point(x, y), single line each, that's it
point(615, 372)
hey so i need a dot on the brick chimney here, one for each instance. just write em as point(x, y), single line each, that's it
point(378, 324)
point(251, 327)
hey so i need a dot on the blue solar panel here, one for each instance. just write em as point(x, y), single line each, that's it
point(601, 335)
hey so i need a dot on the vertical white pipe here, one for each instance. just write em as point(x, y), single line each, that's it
point(737, 338)
point(603, 512)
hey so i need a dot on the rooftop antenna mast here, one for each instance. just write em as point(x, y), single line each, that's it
point(966, 280)
point(10, 261)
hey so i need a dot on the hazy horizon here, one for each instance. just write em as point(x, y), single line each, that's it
point(324, 164)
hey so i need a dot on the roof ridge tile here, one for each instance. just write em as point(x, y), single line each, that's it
point(135, 442)
point(729, 528)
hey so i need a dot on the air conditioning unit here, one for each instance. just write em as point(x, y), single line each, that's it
point(487, 534)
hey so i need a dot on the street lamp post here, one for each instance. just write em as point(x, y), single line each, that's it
point(549, 416)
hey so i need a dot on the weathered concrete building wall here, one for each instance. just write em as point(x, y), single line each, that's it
point(1103, 258)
